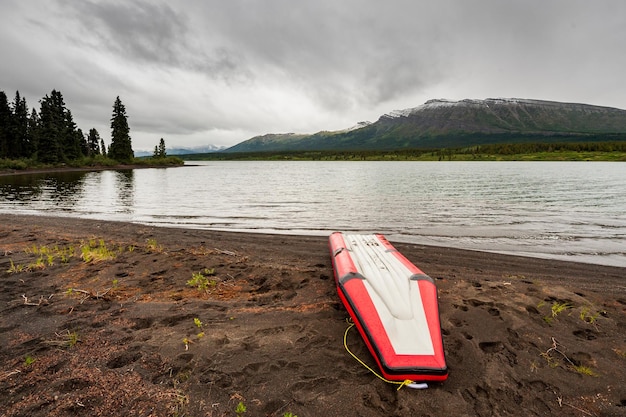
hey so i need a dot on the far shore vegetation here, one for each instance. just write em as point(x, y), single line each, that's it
point(575, 151)
point(49, 138)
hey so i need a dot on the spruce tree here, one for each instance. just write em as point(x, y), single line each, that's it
point(71, 138)
point(103, 148)
point(19, 128)
point(121, 148)
point(5, 125)
point(162, 153)
point(84, 148)
point(93, 142)
point(33, 132)
point(52, 129)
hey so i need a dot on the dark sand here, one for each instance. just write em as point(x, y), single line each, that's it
point(273, 328)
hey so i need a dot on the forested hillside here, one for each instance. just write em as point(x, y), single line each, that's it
point(445, 124)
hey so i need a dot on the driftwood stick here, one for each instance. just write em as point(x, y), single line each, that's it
point(41, 301)
point(225, 252)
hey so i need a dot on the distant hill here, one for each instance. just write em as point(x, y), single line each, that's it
point(184, 151)
point(446, 123)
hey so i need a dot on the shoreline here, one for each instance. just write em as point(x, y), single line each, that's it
point(37, 171)
point(542, 336)
point(406, 241)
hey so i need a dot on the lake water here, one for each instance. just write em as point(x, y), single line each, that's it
point(565, 210)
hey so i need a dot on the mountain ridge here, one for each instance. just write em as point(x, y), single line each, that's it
point(445, 123)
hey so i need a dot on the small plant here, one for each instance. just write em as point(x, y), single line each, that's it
point(116, 283)
point(584, 370)
point(72, 339)
point(153, 246)
point(587, 317)
point(201, 282)
point(558, 308)
point(288, 414)
point(96, 251)
point(28, 361)
point(38, 264)
point(15, 268)
point(187, 342)
point(198, 324)
point(241, 408)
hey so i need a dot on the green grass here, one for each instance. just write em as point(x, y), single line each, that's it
point(587, 317)
point(46, 256)
point(153, 246)
point(96, 251)
point(556, 309)
point(97, 161)
point(584, 370)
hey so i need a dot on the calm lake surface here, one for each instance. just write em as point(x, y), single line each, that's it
point(564, 210)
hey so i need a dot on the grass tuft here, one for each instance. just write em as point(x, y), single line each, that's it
point(200, 280)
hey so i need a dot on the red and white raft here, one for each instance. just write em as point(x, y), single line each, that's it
point(393, 304)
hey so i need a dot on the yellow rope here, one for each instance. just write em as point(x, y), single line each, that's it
point(345, 344)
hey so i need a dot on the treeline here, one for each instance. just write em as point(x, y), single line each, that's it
point(479, 152)
point(528, 148)
point(50, 135)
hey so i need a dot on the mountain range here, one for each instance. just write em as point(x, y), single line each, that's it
point(184, 151)
point(446, 123)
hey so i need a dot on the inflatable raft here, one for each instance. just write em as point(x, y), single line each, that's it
point(393, 305)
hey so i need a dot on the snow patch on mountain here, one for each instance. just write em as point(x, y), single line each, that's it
point(359, 125)
point(442, 103)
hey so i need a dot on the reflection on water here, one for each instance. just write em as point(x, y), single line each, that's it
point(74, 192)
point(573, 211)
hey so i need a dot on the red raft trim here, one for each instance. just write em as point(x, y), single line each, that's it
point(358, 302)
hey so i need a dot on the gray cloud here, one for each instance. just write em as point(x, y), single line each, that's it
point(216, 71)
point(136, 30)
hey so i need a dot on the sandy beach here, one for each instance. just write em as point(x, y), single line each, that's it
point(115, 319)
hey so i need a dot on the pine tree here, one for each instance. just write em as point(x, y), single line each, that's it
point(71, 138)
point(121, 148)
point(162, 153)
point(5, 125)
point(93, 142)
point(103, 148)
point(84, 149)
point(19, 128)
point(33, 132)
point(52, 115)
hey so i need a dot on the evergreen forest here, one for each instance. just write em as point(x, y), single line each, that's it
point(50, 137)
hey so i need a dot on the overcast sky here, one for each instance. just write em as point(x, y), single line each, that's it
point(199, 72)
